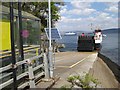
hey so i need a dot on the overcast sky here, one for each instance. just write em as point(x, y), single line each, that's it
point(78, 16)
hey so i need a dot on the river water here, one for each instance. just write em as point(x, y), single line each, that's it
point(109, 45)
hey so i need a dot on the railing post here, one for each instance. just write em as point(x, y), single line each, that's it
point(47, 75)
point(37, 51)
point(13, 45)
point(20, 33)
point(31, 75)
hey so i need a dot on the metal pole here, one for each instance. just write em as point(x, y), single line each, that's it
point(13, 46)
point(20, 34)
point(50, 46)
point(40, 42)
point(46, 66)
point(47, 21)
point(91, 26)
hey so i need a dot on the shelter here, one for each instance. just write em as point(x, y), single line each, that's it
point(30, 23)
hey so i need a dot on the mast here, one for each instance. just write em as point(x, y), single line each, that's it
point(91, 26)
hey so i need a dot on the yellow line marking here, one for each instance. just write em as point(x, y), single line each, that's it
point(63, 66)
point(79, 62)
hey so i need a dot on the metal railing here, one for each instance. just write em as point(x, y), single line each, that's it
point(27, 49)
point(29, 76)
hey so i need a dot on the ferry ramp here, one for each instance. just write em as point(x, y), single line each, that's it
point(70, 63)
point(65, 61)
point(80, 63)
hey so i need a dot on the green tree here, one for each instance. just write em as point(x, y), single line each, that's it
point(39, 9)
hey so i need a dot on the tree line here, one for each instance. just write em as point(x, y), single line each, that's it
point(40, 10)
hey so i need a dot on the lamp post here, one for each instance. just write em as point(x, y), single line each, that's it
point(50, 46)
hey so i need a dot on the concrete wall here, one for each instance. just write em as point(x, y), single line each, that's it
point(106, 72)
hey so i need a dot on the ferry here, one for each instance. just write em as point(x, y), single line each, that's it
point(70, 33)
point(98, 39)
point(90, 41)
point(104, 35)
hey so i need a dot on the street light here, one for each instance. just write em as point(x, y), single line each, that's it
point(50, 46)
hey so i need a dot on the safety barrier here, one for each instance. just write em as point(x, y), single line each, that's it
point(32, 72)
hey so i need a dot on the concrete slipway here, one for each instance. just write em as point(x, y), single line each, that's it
point(80, 63)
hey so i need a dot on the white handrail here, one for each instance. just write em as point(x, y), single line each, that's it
point(22, 75)
point(37, 67)
point(6, 75)
point(23, 85)
point(5, 68)
point(39, 75)
point(29, 63)
point(3, 85)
